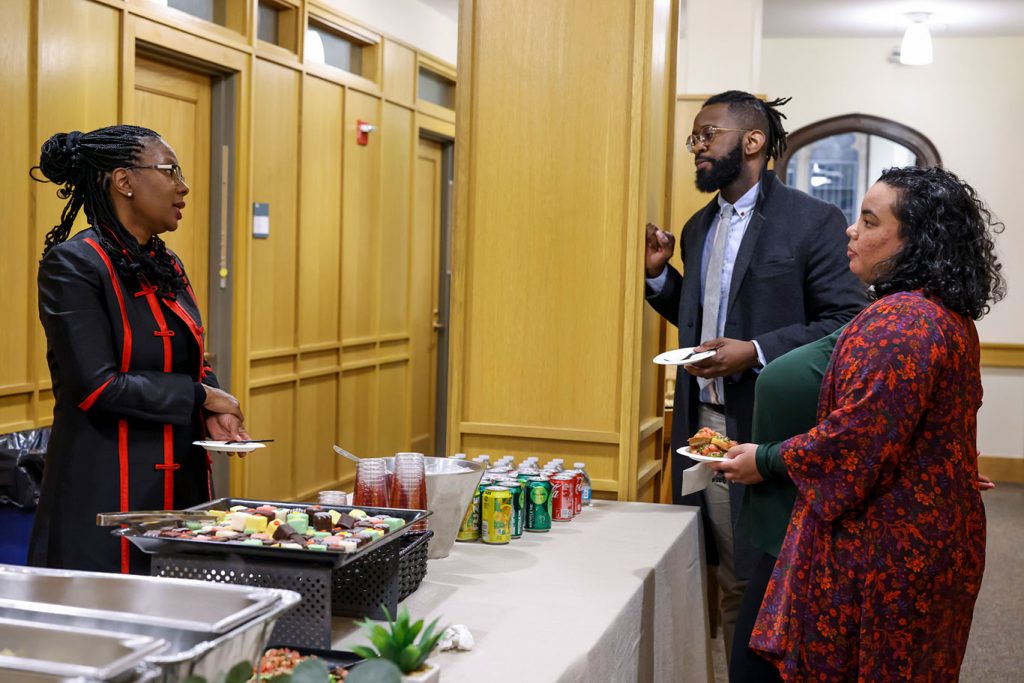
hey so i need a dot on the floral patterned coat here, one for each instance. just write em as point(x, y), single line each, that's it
point(885, 551)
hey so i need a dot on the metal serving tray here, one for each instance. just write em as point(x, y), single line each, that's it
point(64, 651)
point(86, 598)
point(332, 558)
point(210, 657)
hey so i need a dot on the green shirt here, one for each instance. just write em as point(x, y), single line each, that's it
point(785, 404)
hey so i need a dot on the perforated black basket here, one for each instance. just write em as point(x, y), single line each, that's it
point(382, 575)
point(412, 562)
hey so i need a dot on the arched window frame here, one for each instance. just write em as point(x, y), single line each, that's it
point(926, 152)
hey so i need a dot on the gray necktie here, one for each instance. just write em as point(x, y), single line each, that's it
point(713, 292)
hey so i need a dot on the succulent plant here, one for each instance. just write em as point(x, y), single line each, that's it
point(398, 643)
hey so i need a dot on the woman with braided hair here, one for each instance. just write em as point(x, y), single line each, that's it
point(125, 350)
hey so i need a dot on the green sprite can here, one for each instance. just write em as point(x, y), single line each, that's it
point(538, 504)
point(496, 515)
point(518, 492)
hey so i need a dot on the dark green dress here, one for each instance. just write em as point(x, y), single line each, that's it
point(785, 404)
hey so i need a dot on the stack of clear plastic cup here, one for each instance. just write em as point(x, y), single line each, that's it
point(409, 484)
point(371, 484)
point(333, 498)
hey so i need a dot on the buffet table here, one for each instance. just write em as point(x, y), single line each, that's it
point(615, 595)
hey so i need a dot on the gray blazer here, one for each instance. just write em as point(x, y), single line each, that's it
point(791, 284)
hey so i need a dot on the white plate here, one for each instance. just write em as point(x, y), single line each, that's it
point(682, 356)
point(685, 450)
point(228, 446)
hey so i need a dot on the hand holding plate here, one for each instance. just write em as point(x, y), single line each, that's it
point(739, 464)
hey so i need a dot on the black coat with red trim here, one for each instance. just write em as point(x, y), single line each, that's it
point(124, 364)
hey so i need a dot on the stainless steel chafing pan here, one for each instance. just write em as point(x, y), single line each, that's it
point(208, 627)
point(63, 651)
point(39, 594)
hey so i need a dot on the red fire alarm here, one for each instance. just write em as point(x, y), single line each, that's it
point(363, 130)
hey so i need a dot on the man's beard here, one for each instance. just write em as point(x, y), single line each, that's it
point(722, 172)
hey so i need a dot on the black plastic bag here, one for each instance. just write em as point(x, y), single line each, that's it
point(22, 456)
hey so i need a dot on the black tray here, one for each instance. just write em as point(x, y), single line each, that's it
point(333, 558)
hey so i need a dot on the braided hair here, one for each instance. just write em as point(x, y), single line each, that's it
point(81, 164)
point(756, 114)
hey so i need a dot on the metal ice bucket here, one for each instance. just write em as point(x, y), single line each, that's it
point(450, 487)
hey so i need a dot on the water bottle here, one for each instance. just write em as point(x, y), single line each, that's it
point(587, 489)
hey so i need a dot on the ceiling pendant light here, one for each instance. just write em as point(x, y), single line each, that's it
point(916, 49)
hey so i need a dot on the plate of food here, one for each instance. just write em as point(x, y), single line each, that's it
point(230, 446)
point(707, 445)
point(682, 356)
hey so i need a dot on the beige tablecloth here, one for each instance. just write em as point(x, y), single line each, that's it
point(615, 595)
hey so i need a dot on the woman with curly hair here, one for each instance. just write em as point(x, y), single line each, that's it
point(883, 557)
point(125, 350)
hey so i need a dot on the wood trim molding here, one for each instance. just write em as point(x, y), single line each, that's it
point(650, 426)
point(1002, 355)
point(534, 432)
point(1002, 469)
point(917, 142)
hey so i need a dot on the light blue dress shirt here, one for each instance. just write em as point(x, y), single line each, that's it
point(743, 211)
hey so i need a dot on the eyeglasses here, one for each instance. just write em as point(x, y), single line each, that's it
point(172, 170)
point(708, 133)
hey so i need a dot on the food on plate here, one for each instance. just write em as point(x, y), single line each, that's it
point(280, 661)
point(280, 527)
point(709, 442)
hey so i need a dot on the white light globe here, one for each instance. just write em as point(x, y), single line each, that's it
point(916, 49)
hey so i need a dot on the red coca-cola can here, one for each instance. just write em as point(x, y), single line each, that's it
point(577, 492)
point(563, 496)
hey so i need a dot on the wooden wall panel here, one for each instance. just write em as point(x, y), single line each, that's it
point(396, 140)
point(21, 249)
point(540, 237)
point(360, 221)
point(393, 408)
point(319, 269)
point(399, 73)
point(77, 87)
point(269, 472)
point(317, 417)
point(275, 173)
point(358, 432)
point(557, 171)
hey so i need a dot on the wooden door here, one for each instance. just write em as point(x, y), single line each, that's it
point(176, 104)
point(425, 260)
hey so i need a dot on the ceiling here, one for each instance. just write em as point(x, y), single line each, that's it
point(851, 18)
point(858, 18)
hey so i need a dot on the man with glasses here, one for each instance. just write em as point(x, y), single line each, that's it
point(765, 271)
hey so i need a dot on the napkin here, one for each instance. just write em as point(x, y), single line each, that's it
point(456, 637)
point(696, 478)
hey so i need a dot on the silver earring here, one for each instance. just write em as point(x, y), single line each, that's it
point(129, 194)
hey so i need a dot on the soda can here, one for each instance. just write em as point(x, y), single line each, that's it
point(562, 498)
point(498, 469)
point(470, 528)
point(577, 492)
point(496, 515)
point(538, 504)
point(518, 492)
